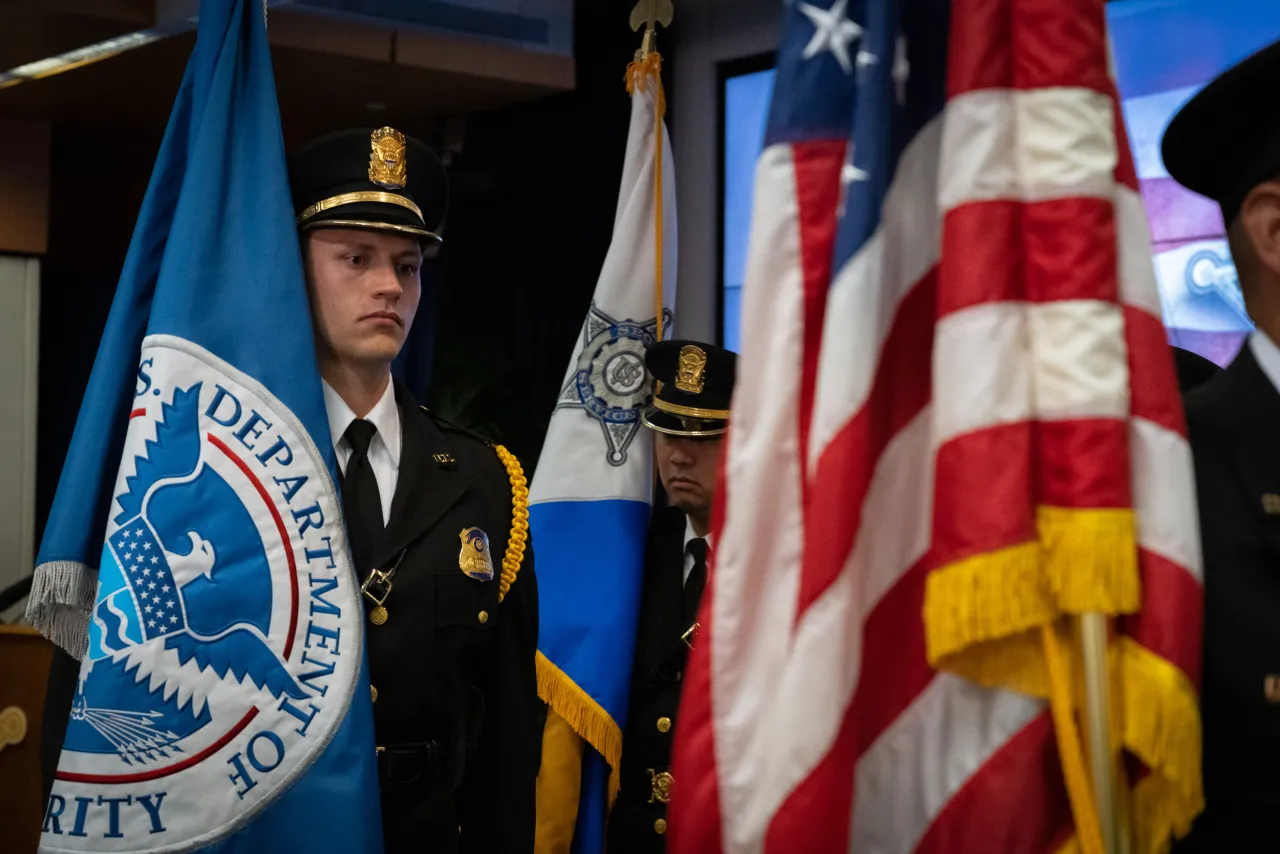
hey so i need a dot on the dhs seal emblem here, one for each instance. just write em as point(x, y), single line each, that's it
point(225, 640)
point(610, 381)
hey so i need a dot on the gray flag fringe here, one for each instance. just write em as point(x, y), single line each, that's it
point(60, 603)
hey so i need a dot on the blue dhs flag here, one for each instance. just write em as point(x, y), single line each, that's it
point(195, 558)
point(590, 498)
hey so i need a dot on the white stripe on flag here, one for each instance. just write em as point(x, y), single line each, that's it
point(1031, 145)
point(762, 535)
point(1164, 494)
point(926, 755)
point(904, 248)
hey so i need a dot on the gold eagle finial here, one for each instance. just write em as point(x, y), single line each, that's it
point(648, 14)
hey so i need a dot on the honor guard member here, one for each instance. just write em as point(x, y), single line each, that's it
point(436, 516)
point(689, 415)
point(1225, 144)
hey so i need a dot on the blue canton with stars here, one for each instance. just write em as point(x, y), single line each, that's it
point(870, 72)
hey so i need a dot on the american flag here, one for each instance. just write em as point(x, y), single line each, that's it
point(957, 421)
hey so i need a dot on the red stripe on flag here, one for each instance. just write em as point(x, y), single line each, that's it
point(983, 492)
point(1171, 616)
point(1069, 247)
point(1082, 463)
point(817, 177)
point(1005, 250)
point(895, 667)
point(1153, 379)
point(894, 673)
point(1059, 43)
point(982, 255)
point(902, 385)
point(979, 54)
point(819, 807)
point(1016, 803)
point(987, 483)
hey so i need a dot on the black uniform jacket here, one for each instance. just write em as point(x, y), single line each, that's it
point(1234, 420)
point(456, 707)
point(655, 692)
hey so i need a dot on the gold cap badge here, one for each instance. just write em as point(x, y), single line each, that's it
point(386, 159)
point(689, 371)
point(474, 560)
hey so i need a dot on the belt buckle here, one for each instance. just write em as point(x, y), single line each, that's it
point(687, 637)
point(660, 786)
point(376, 577)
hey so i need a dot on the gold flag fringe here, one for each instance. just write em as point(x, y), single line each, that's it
point(587, 717)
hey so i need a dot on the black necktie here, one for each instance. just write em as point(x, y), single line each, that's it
point(360, 499)
point(696, 581)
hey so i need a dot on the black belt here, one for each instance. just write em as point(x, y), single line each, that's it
point(405, 764)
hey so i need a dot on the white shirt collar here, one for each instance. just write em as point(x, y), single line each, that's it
point(385, 416)
point(689, 535)
point(1268, 356)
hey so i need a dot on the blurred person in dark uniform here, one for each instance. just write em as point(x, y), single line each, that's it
point(1225, 144)
point(689, 415)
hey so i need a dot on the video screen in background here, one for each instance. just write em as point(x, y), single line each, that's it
point(1165, 51)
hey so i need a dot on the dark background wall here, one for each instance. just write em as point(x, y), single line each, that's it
point(535, 188)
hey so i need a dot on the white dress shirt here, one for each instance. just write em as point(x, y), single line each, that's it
point(384, 448)
point(690, 536)
point(1268, 356)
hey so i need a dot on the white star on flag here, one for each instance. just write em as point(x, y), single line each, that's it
point(901, 69)
point(151, 623)
point(146, 547)
point(832, 30)
point(174, 618)
point(155, 559)
point(850, 173)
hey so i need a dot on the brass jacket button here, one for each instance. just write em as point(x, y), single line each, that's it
point(660, 826)
point(484, 617)
point(374, 692)
point(664, 724)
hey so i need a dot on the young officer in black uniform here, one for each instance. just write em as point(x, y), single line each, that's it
point(1225, 144)
point(689, 414)
point(436, 516)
